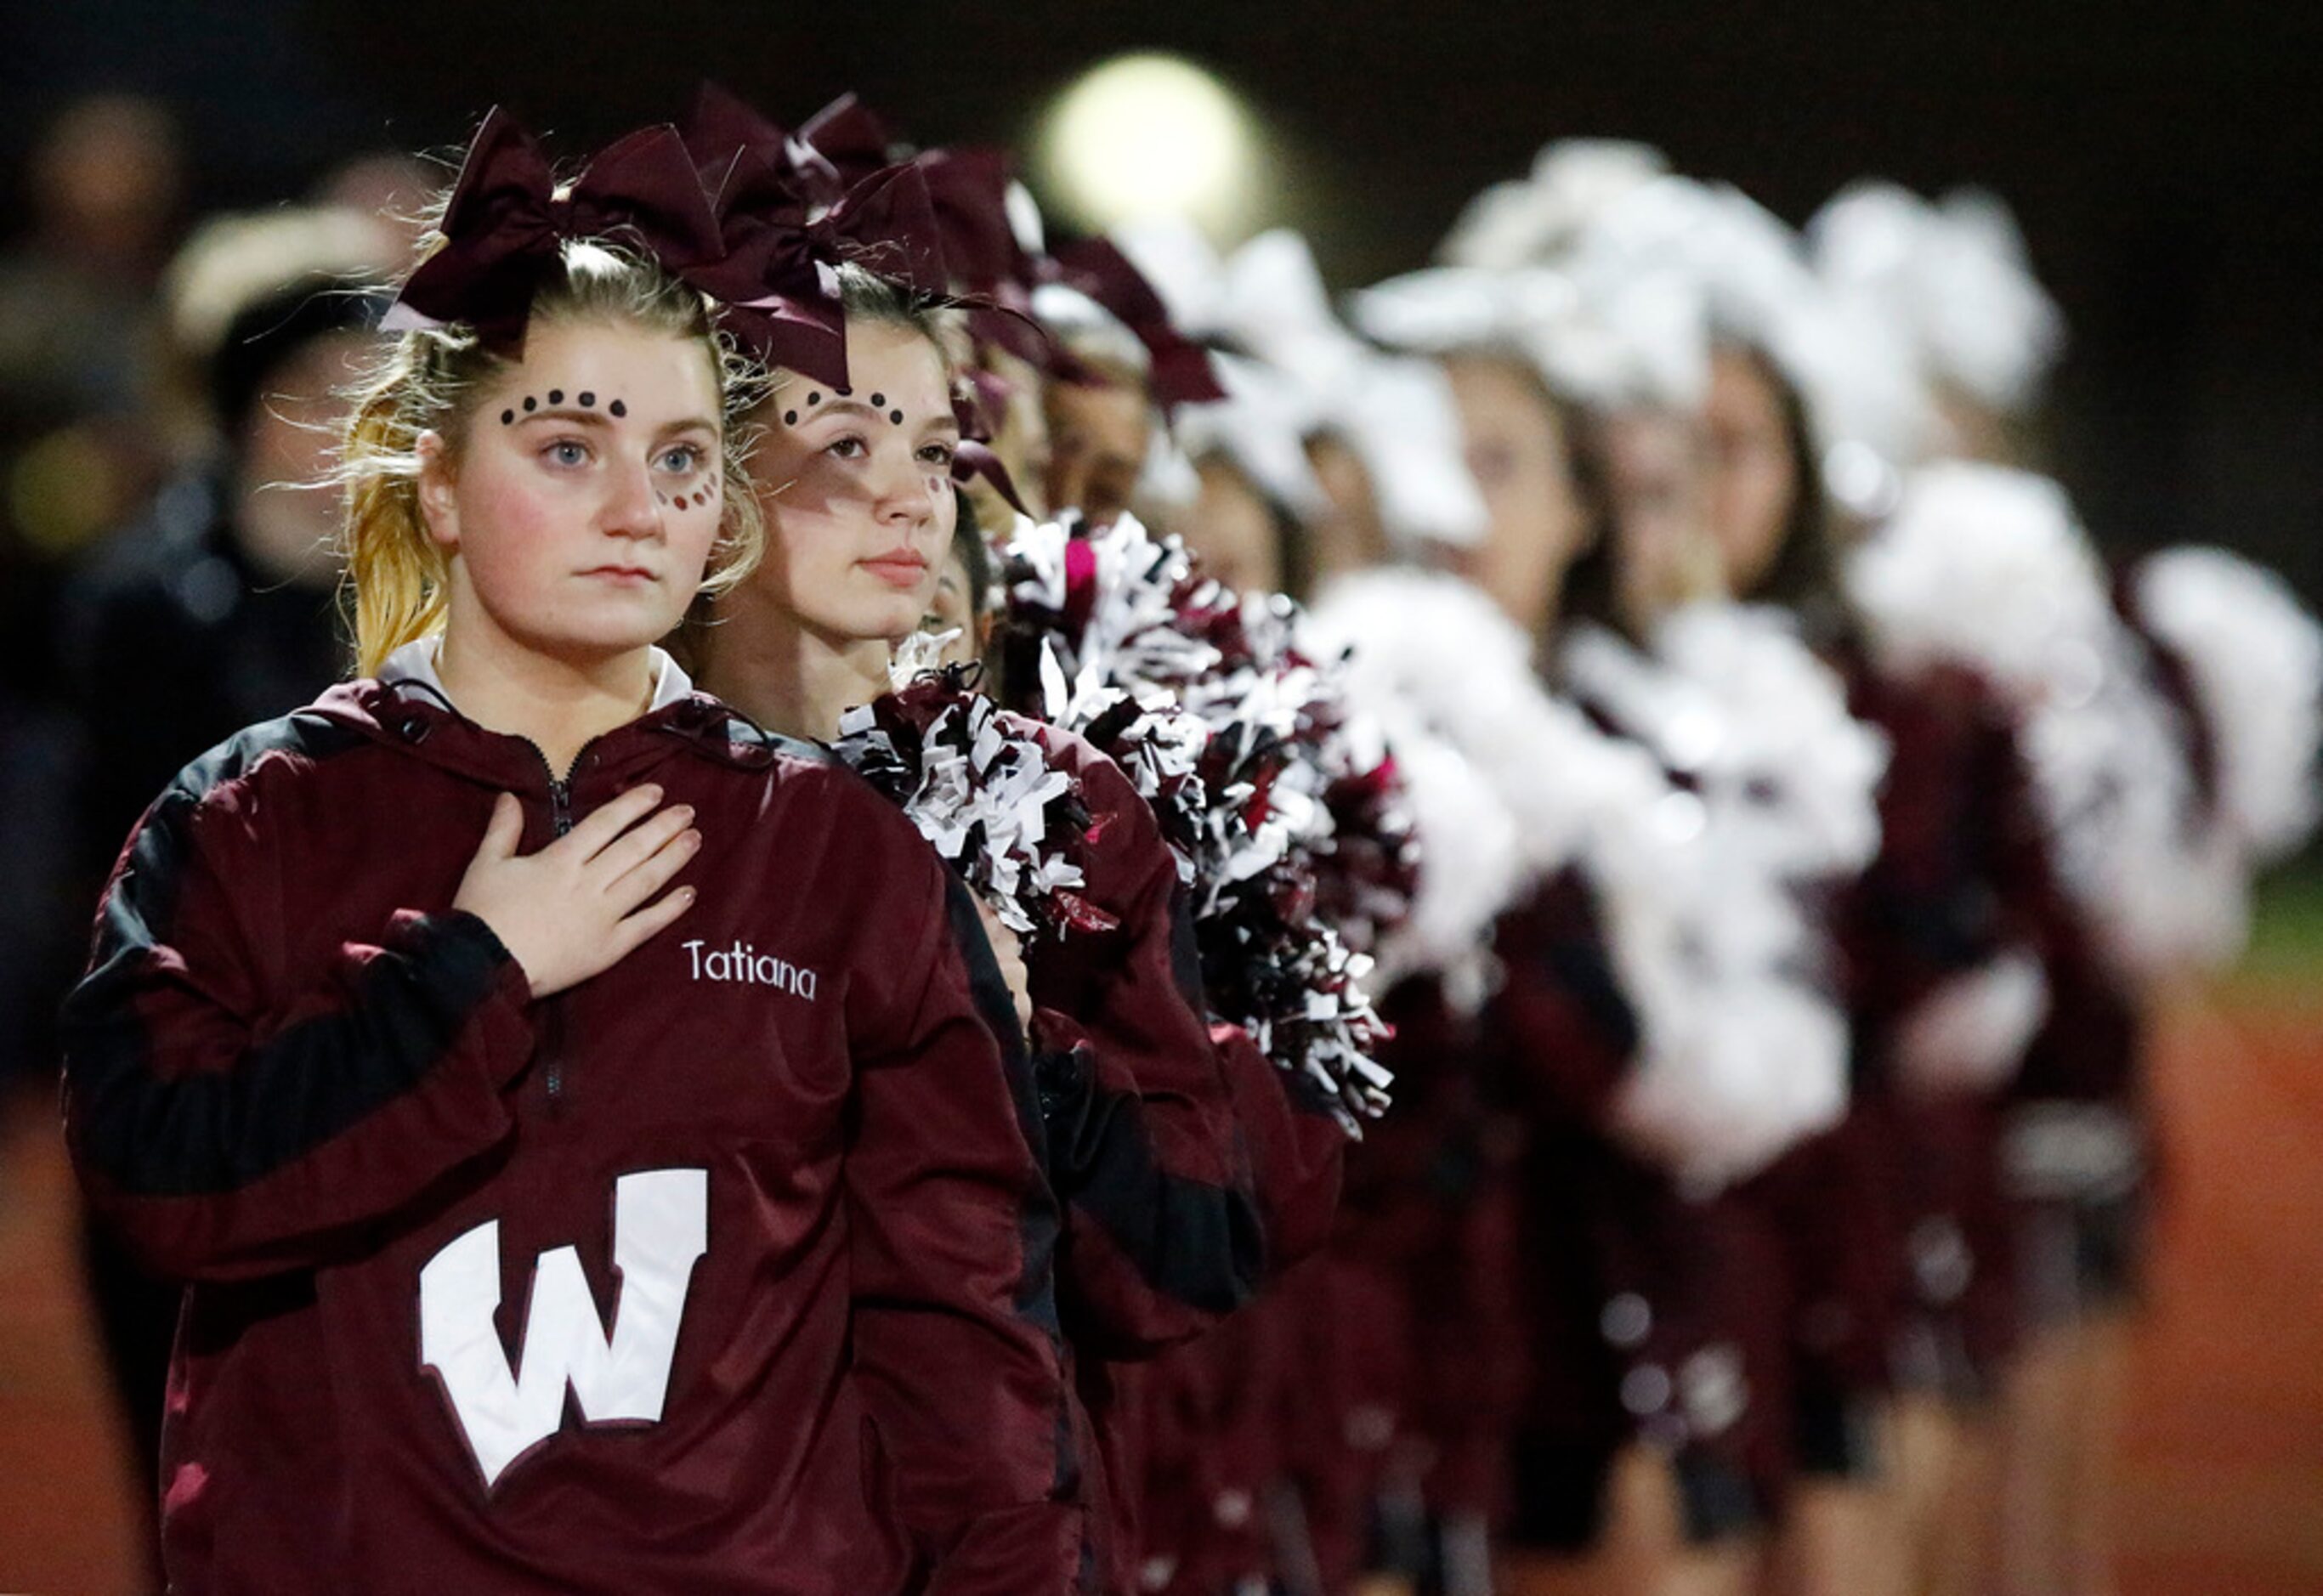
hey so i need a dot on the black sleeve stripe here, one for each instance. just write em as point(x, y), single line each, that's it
point(1186, 952)
point(994, 1002)
point(1039, 1226)
point(995, 1005)
point(1194, 1242)
point(218, 1131)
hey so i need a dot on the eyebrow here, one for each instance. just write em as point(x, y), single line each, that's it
point(598, 418)
point(836, 403)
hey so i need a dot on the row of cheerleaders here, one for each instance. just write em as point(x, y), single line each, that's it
point(1589, 864)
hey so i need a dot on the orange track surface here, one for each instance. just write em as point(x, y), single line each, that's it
point(2223, 1494)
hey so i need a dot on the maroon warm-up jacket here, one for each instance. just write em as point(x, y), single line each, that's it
point(1191, 1169)
point(1647, 1313)
point(1963, 875)
point(726, 1271)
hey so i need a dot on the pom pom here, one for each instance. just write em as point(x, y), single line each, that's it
point(979, 785)
point(1986, 568)
point(1117, 633)
point(1738, 1057)
point(1736, 702)
point(1704, 891)
point(1953, 278)
point(2255, 657)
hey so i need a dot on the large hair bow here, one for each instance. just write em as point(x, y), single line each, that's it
point(507, 222)
point(1182, 373)
point(779, 276)
point(841, 145)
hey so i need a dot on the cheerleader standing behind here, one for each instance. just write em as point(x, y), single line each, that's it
point(1186, 1170)
point(759, 1172)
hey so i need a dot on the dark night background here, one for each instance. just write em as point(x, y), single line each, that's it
point(2160, 159)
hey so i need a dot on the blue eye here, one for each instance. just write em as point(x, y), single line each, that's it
point(567, 452)
point(681, 459)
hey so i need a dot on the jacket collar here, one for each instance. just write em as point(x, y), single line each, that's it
point(406, 705)
point(415, 663)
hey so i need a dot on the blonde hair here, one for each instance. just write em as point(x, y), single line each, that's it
point(396, 574)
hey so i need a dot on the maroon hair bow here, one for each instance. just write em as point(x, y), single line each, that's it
point(778, 275)
point(970, 191)
point(1181, 368)
point(841, 144)
point(506, 223)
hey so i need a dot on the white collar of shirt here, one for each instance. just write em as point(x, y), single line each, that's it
point(414, 661)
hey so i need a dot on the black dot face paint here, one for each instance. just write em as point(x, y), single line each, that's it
point(896, 417)
point(789, 417)
point(556, 397)
point(878, 402)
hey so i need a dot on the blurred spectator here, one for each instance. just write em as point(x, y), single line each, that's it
point(396, 189)
point(216, 608)
point(78, 345)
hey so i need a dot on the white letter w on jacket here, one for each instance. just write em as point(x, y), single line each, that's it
point(660, 1231)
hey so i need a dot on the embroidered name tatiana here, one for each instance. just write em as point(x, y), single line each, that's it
point(744, 963)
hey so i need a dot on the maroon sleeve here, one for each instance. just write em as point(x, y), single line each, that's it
point(231, 1129)
point(1961, 871)
point(1559, 1026)
point(1297, 1152)
point(952, 1235)
point(1144, 1130)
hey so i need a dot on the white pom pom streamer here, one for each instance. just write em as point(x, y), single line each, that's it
point(1988, 568)
point(2255, 656)
point(1953, 278)
point(1129, 632)
point(1739, 1057)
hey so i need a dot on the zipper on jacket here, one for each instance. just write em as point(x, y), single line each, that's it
point(560, 819)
